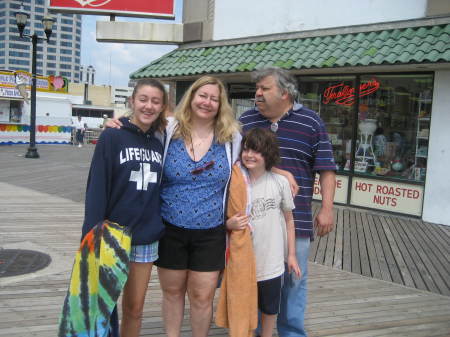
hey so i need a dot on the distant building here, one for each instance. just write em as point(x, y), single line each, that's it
point(120, 95)
point(61, 56)
point(87, 75)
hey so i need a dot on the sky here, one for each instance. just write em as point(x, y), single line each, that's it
point(114, 62)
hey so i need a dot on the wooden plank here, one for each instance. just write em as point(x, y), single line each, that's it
point(439, 237)
point(323, 246)
point(371, 252)
point(381, 259)
point(314, 246)
point(412, 276)
point(321, 249)
point(315, 243)
point(363, 255)
point(416, 253)
point(440, 260)
point(419, 254)
point(331, 240)
point(390, 260)
point(356, 263)
point(337, 258)
point(445, 230)
point(347, 253)
point(349, 327)
point(401, 265)
point(416, 330)
point(439, 275)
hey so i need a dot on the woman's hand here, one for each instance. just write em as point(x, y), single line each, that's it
point(293, 266)
point(113, 123)
point(237, 222)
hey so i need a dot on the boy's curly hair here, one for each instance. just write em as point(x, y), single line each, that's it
point(264, 142)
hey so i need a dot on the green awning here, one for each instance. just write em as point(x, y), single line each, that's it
point(426, 44)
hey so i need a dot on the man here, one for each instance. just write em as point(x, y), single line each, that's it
point(80, 128)
point(305, 149)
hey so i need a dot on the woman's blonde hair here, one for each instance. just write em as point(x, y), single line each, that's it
point(224, 124)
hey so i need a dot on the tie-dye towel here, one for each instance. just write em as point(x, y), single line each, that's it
point(98, 276)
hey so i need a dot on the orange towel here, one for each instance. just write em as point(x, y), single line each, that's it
point(237, 307)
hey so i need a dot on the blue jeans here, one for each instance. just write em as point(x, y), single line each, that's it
point(291, 319)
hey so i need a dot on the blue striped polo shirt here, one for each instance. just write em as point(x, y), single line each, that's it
point(304, 149)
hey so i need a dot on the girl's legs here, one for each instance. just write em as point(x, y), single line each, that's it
point(267, 324)
point(133, 298)
point(173, 286)
point(201, 287)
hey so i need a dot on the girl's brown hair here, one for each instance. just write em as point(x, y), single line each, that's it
point(161, 122)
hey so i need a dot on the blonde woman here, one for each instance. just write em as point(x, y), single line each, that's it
point(202, 143)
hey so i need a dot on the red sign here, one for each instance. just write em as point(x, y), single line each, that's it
point(345, 94)
point(162, 9)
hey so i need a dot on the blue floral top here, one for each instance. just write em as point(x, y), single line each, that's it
point(194, 201)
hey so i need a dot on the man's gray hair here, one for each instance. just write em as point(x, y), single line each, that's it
point(285, 81)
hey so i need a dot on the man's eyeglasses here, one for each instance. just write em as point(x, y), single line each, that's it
point(206, 166)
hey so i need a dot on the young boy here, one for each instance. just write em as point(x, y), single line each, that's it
point(272, 222)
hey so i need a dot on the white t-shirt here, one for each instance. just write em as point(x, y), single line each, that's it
point(271, 196)
point(79, 125)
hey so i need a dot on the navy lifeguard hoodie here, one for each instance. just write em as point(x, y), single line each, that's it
point(123, 182)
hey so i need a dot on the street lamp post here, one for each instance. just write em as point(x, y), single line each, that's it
point(47, 22)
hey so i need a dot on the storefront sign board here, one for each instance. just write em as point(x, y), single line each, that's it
point(162, 9)
point(388, 196)
point(9, 80)
point(9, 93)
point(340, 195)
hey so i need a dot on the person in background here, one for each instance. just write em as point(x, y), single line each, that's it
point(305, 150)
point(271, 220)
point(79, 131)
point(123, 187)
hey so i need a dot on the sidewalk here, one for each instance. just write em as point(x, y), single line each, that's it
point(41, 209)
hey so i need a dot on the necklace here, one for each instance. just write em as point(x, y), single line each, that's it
point(274, 125)
point(206, 166)
point(200, 144)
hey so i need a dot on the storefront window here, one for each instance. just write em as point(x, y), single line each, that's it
point(393, 121)
point(10, 111)
point(331, 98)
point(393, 126)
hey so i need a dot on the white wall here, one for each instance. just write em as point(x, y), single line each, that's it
point(437, 186)
point(237, 18)
point(51, 109)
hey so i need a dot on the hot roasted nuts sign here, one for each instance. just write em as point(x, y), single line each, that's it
point(394, 197)
point(163, 9)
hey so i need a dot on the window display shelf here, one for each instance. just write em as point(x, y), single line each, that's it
point(422, 137)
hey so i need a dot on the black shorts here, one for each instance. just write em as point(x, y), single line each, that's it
point(269, 295)
point(193, 249)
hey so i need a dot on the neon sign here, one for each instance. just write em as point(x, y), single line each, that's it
point(345, 94)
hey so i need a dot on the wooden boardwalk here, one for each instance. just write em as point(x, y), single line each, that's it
point(352, 289)
point(391, 248)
